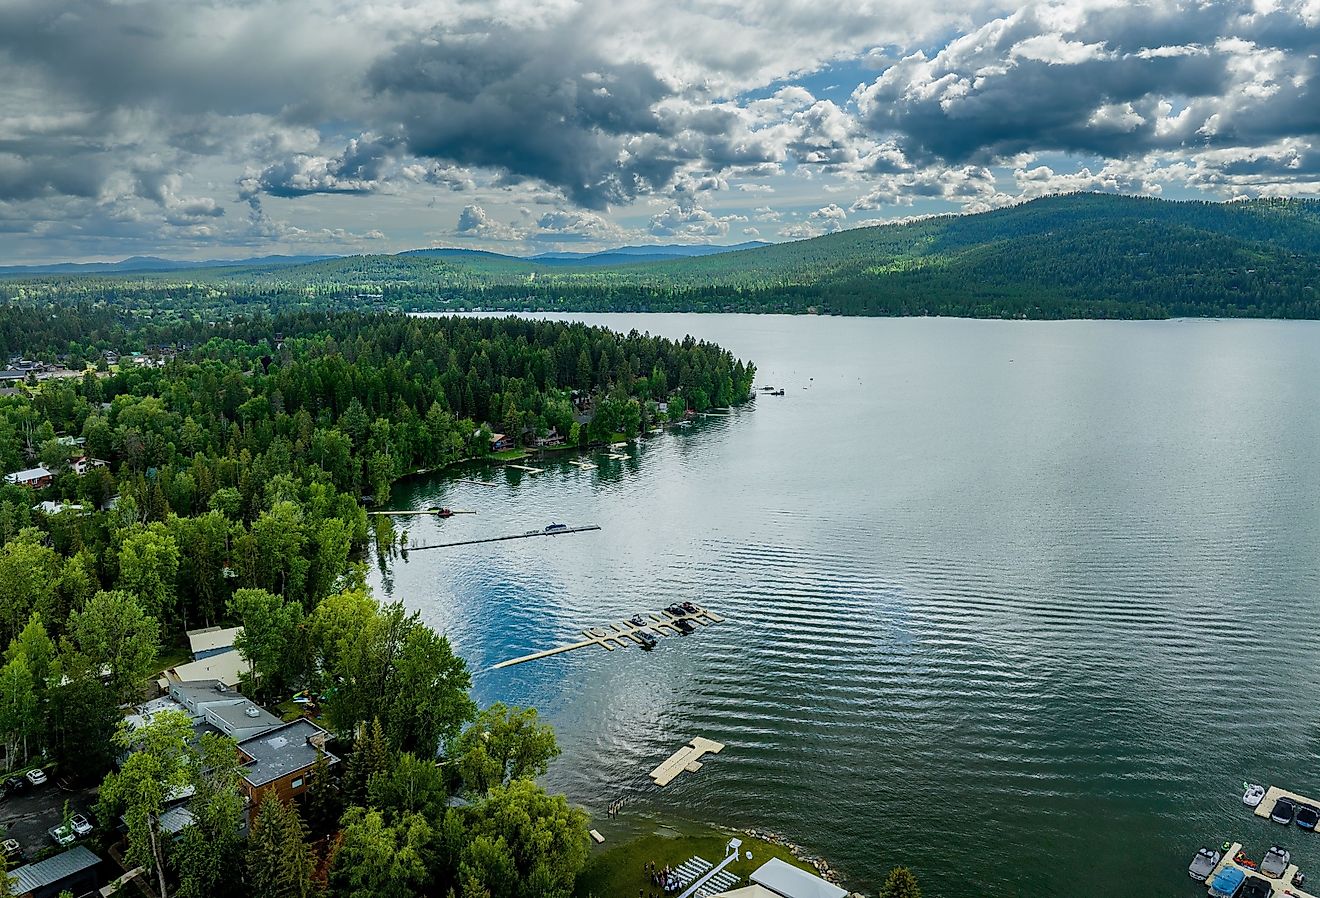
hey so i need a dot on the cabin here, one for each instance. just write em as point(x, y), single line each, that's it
point(209, 641)
point(33, 478)
point(82, 464)
point(553, 438)
point(278, 761)
point(501, 443)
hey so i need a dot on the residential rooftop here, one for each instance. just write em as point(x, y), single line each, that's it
point(284, 750)
point(43, 874)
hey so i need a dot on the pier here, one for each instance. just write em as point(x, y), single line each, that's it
point(618, 635)
point(688, 758)
point(434, 511)
point(583, 464)
point(528, 468)
point(1283, 883)
point(476, 482)
point(1274, 793)
point(495, 539)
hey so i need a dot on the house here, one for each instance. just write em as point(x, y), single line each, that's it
point(553, 438)
point(211, 704)
point(50, 507)
point(500, 443)
point(73, 871)
point(279, 760)
point(210, 641)
point(777, 879)
point(34, 478)
point(82, 464)
point(226, 667)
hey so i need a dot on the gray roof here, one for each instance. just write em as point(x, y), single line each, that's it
point(787, 880)
point(282, 751)
point(52, 870)
point(236, 715)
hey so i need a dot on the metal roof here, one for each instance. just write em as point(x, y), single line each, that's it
point(52, 870)
point(212, 638)
point(787, 880)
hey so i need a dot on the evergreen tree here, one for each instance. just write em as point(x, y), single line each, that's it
point(279, 861)
point(900, 883)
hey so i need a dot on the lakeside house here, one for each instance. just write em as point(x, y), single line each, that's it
point(226, 667)
point(73, 871)
point(501, 443)
point(553, 438)
point(279, 760)
point(777, 879)
point(82, 464)
point(33, 478)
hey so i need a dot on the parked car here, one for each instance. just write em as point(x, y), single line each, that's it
point(16, 785)
point(63, 834)
point(81, 825)
point(36, 776)
point(12, 851)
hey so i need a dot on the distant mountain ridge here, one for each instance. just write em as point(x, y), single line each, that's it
point(1064, 256)
point(153, 263)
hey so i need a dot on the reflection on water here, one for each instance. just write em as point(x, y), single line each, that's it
point(1020, 604)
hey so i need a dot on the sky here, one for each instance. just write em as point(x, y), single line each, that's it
point(214, 129)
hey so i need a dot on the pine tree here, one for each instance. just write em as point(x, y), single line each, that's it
point(371, 755)
point(280, 862)
point(322, 803)
point(901, 883)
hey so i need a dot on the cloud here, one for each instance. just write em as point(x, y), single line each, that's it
point(825, 220)
point(690, 221)
point(476, 222)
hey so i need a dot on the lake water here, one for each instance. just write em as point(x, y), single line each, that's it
point(1018, 604)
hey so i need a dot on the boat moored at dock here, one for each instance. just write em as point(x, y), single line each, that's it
point(1203, 864)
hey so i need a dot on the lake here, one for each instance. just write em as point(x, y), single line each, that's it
point(1018, 604)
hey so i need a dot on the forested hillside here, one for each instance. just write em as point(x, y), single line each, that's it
point(1082, 255)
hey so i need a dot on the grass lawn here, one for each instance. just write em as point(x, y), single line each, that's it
point(509, 455)
point(617, 871)
point(172, 656)
point(287, 711)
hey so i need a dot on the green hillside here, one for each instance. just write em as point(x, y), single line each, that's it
point(1081, 255)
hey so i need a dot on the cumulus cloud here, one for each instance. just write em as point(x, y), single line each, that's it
point(474, 221)
point(690, 221)
point(825, 220)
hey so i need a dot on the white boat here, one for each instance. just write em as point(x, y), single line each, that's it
point(1203, 864)
point(1253, 794)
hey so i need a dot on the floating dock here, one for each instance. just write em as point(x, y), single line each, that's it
point(420, 511)
point(617, 456)
point(686, 758)
point(1274, 793)
point(495, 539)
point(528, 468)
point(476, 482)
point(617, 635)
point(583, 464)
point(1283, 885)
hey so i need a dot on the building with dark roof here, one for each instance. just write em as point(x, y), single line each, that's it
point(279, 760)
point(73, 871)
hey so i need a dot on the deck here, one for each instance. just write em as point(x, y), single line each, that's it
point(1274, 793)
point(1283, 884)
point(688, 758)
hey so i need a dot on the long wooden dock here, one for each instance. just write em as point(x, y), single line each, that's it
point(495, 539)
point(686, 758)
point(419, 511)
point(528, 468)
point(476, 482)
point(622, 633)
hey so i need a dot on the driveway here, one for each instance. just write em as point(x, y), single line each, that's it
point(26, 817)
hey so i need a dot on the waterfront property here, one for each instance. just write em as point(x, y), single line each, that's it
point(674, 621)
point(776, 879)
point(210, 641)
point(279, 760)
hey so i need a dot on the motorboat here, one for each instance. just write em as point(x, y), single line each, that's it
point(555, 528)
point(637, 620)
point(1283, 811)
point(684, 626)
point(1204, 864)
point(690, 608)
point(1253, 794)
point(1275, 861)
point(1255, 887)
point(1227, 883)
point(441, 512)
point(646, 639)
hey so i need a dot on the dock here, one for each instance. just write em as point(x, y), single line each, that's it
point(583, 464)
point(1274, 793)
point(617, 456)
point(688, 758)
point(528, 468)
point(419, 511)
point(476, 482)
point(495, 539)
point(622, 633)
point(1283, 883)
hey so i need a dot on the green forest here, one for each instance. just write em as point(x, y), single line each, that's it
point(233, 491)
point(1070, 256)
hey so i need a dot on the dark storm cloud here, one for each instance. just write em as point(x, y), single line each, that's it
point(1108, 82)
point(360, 168)
point(534, 104)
